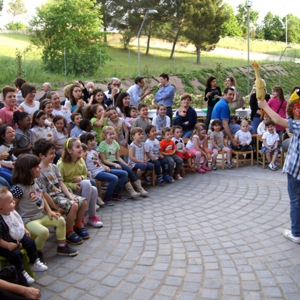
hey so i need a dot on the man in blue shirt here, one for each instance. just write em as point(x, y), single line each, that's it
point(165, 93)
point(136, 92)
point(221, 111)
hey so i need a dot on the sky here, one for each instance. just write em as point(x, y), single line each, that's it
point(277, 7)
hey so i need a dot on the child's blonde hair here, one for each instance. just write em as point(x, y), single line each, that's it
point(197, 128)
point(66, 156)
point(106, 130)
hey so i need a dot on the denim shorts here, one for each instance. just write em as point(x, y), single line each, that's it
point(264, 150)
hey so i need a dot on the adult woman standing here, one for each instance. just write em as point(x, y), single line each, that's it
point(278, 104)
point(212, 96)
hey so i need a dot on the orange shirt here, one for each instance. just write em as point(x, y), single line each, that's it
point(166, 146)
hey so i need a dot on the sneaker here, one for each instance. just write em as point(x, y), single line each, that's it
point(109, 202)
point(41, 256)
point(275, 167)
point(229, 165)
point(73, 238)
point(118, 197)
point(288, 234)
point(168, 178)
point(160, 181)
point(82, 232)
point(177, 176)
point(147, 180)
point(38, 266)
point(95, 222)
point(66, 250)
point(29, 279)
point(182, 172)
point(206, 168)
point(270, 165)
point(200, 170)
point(100, 202)
point(97, 207)
point(214, 167)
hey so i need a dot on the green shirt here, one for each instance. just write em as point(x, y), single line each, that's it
point(110, 151)
point(98, 129)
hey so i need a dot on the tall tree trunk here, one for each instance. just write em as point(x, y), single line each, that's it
point(105, 34)
point(198, 55)
point(175, 41)
point(148, 39)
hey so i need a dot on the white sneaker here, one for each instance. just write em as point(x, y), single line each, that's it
point(38, 266)
point(288, 234)
point(97, 207)
point(270, 165)
point(29, 279)
point(100, 202)
point(95, 222)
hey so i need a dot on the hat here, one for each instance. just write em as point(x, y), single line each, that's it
point(295, 96)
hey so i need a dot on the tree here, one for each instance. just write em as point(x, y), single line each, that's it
point(293, 28)
point(273, 29)
point(203, 23)
point(107, 15)
point(1, 5)
point(242, 17)
point(16, 7)
point(231, 26)
point(73, 25)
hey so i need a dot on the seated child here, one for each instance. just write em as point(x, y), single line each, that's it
point(60, 134)
point(219, 144)
point(9, 98)
point(142, 120)
point(58, 196)
point(86, 126)
point(38, 128)
point(13, 234)
point(137, 155)
point(270, 144)
point(76, 131)
point(131, 114)
point(168, 149)
point(180, 148)
point(115, 178)
point(155, 157)
point(261, 129)
point(161, 120)
point(32, 207)
point(243, 137)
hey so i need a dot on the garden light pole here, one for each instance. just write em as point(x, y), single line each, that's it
point(249, 5)
point(287, 47)
point(150, 11)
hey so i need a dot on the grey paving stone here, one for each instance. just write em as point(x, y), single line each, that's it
point(143, 294)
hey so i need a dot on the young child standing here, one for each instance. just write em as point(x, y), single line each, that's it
point(58, 195)
point(115, 178)
point(142, 120)
point(198, 147)
point(137, 155)
point(155, 157)
point(270, 144)
point(218, 144)
point(161, 120)
point(180, 148)
point(109, 152)
point(168, 149)
point(243, 137)
point(74, 172)
point(23, 133)
point(119, 125)
point(76, 131)
point(31, 205)
point(6, 113)
point(38, 128)
point(13, 234)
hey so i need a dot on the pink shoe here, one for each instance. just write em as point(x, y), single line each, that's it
point(200, 170)
point(206, 168)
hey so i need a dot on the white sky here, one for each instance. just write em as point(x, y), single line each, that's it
point(277, 7)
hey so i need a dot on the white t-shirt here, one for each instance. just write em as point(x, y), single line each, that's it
point(93, 163)
point(64, 111)
point(152, 147)
point(30, 110)
point(270, 138)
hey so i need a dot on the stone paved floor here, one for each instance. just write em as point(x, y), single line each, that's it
point(211, 236)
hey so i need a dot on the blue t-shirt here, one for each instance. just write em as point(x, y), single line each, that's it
point(221, 111)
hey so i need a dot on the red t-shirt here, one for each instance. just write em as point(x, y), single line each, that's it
point(166, 146)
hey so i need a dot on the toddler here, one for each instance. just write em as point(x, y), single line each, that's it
point(270, 144)
point(243, 137)
point(180, 117)
point(219, 144)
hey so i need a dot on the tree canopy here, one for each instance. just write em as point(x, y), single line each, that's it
point(16, 7)
point(73, 25)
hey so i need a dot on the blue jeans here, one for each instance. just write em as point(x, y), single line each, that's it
point(187, 134)
point(143, 167)
point(7, 175)
point(115, 178)
point(169, 113)
point(3, 182)
point(294, 194)
point(254, 123)
point(208, 116)
point(159, 164)
point(129, 171)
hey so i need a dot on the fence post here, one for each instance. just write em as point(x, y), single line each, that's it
point(65, 63)
point(25, 73)
point(129, 71)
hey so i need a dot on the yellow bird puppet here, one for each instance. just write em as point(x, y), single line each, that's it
point(259, 83)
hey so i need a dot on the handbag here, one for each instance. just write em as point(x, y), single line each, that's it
point(9, 273)
point(239, 102)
